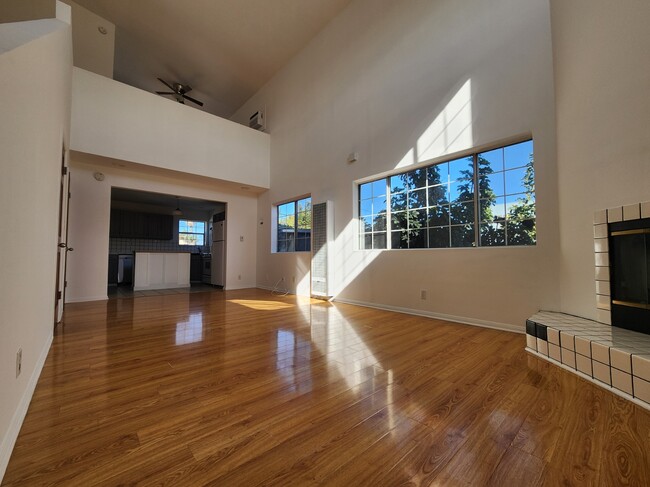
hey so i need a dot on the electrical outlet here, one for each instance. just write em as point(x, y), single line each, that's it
point(19, 361)
point(423, 294)
point(241, 238)
point(239, 277)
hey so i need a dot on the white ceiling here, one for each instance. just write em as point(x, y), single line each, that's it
point(226, 50)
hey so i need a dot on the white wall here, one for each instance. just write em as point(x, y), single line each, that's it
point(90, 221)
point(115, 120)
point(602, 79)
point(34, 123)
point(92, 50)
point(374, 81)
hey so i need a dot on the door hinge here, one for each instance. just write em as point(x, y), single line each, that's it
point(64, 170)
point(58, 295)
point(65, 284)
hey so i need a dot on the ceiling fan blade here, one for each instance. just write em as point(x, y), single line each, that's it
point(167, 84)
point(193, 100)
point(165, 92)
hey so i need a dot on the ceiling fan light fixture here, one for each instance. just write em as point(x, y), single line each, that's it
point(179, 92)
point(177, 211)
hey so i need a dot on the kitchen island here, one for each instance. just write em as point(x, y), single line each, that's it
point(161, 270)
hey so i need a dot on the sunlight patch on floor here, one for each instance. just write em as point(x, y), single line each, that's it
point(261, 305)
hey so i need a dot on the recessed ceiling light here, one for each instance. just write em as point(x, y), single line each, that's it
point(102, 30)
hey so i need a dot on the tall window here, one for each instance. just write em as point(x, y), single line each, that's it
point(437, 206)
point(191, 232)
point(372, 205)
point(294, 226)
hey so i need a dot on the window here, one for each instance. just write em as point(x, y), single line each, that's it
point(294, 226)
point(372, 214)
point(438, 206)
point(191, 232)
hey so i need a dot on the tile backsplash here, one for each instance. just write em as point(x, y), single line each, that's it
point(129, 245)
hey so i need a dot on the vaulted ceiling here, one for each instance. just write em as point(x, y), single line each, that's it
point(226, 50)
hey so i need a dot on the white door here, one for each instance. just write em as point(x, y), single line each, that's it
point(63, 247)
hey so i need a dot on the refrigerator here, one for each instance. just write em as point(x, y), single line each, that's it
point(218, 251)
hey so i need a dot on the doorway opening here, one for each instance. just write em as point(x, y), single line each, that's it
point(165, 244)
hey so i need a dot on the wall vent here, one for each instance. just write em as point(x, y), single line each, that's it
point(256, 121)
point(322, 231)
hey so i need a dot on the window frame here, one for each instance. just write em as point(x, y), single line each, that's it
point(277, 221)
point(478, 197)
point(178, 228)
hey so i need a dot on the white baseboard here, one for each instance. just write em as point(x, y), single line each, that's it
point(240, 286)
point(9, 440)
point(430, 314)
point(86, 299)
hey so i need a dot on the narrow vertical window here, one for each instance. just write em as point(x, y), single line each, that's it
point(293, 228)
point(372, 215)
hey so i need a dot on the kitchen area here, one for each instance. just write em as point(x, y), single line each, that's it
point(163, 244)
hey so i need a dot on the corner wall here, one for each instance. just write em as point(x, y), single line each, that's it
point(602, 80)
point(34, 125)
point(378, 80)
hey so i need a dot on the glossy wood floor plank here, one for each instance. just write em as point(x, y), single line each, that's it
point(247, 388)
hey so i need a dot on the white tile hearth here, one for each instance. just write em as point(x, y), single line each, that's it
point(583, 346)
point(622, 381)
point(641, 366)
point(554, 352)
point(583, 364)
point(615, 358)
point(641, 389)
point(622, 359)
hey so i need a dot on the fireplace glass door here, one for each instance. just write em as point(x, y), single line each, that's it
point(630, 274)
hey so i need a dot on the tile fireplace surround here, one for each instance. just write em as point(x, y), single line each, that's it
point(614, 358)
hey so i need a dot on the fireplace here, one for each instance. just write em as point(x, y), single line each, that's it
point(622, 257)
point(629, 254)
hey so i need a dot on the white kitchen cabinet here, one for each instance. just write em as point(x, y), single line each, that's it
point(161, 270)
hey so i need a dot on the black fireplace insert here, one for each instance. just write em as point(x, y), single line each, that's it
point(629, 256)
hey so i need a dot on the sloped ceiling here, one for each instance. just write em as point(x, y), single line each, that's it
point(226, 50)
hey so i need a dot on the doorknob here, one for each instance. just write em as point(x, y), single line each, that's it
point(69, 249)
point(62, 245)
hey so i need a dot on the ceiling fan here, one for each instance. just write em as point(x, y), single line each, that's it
point(179, 91)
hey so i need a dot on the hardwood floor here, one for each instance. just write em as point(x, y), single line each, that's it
point(244, 388)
